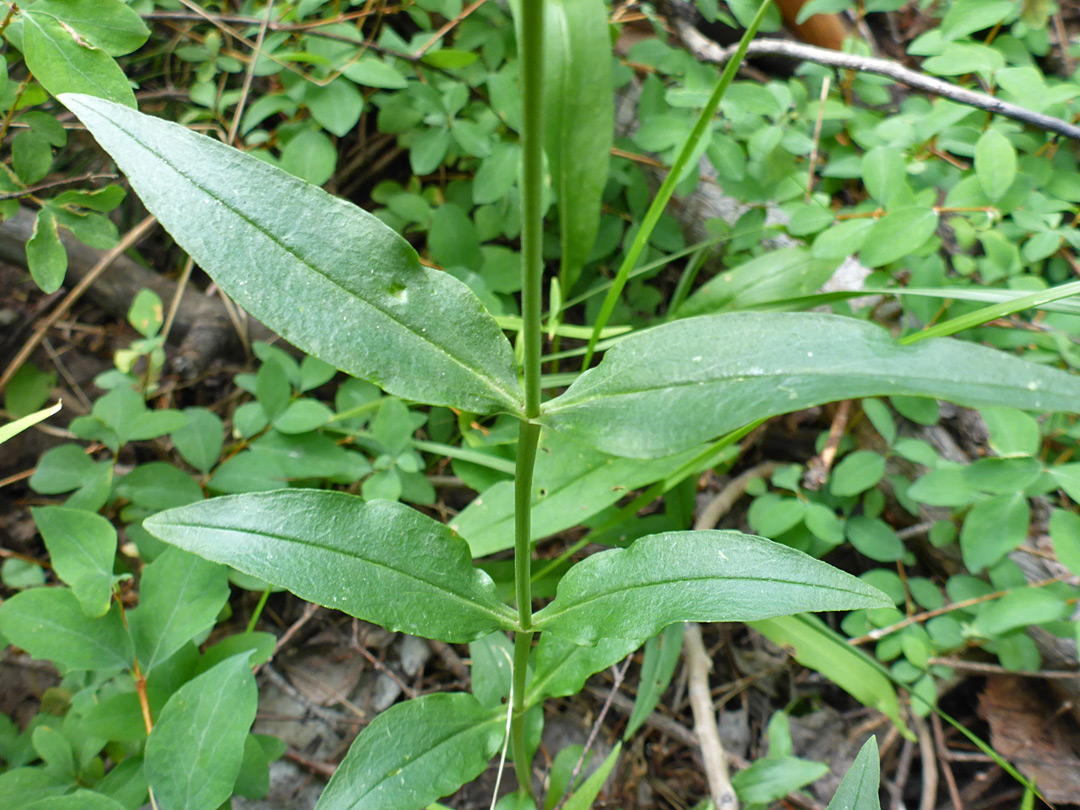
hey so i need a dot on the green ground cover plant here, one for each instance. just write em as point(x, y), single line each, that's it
point(664, 403)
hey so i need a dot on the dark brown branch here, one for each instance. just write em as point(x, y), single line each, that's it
point(708, 51)
point(63, 181)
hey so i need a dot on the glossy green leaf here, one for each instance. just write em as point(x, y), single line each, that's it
point(19, 425)
point(64, 64)
point(199, 442)
point(857, 472)
point(415, 753)
point(111, 25)
point(572, 482)
point(1019, 608)
point(379, 561)
point(662, 653)
point(193, 755)
point(562, 667)
point(45, 255)
point(579, 120)
point(995, 164)
point(82, 548)
point(263, 236)
point(728, 370)
point(180, 596)
point(899, 233)
point(859, 788)
point(714, 576)
point(49, 623)
point(813, 644)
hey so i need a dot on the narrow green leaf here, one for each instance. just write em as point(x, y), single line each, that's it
point(770, 779)
point(816, 646)
point(66, 64)
point(194, 753)
point(662, 653)
point(583, 797)
point(415, 753)
point(330, 278)
point(379, 561)
point(562, 667)
point(711, 576)
point(728, 370)
point(995, 164)
point(859, 788)
point(19, 425)
point(579, 120)
point(82, 548)
point(667, 188)
point(180, 596)
point(571, 483)
point(49, 623)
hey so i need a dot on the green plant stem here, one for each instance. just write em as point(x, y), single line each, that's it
point(678, 169)
point(258, 610)
point(531, 30)
point(532, 210)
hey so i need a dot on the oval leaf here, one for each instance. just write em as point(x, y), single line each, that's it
point(378, 560)
point(415, 753)
point(729, 370)
point(50, 624)
point(708, 576)
point(995, 164)
point(82, 548)
point(66, 64)
point(329, 277)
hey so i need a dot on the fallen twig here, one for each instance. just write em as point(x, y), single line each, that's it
point(708, 51)
point(698, 665)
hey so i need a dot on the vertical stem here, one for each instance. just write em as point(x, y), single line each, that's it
point(531, 30)
point(532, 222)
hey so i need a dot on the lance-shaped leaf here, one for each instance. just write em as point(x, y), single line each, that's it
point(709, 576)
point(579, 121)
point(859, 788)
point(377, 560)
point(329, 277)
point(416, 752)
point(668, 388)
point(562, 667)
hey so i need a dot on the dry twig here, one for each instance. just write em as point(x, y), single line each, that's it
point(698, 665)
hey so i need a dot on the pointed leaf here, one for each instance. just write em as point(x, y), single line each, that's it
point(50, 624)
point(579, 121)
point(379, 561)
point(661, 656)
point(111, 25)
point(583, 797)
point(194, 753)
point(668, 388)
point(66, 64)
point(415, 753)
point(709, 576)
point(82, 548)
point(180, 596)
point(859, 788)
point(329, 277)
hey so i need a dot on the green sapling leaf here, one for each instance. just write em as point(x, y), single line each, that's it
point(379, 561)
point(329, 277)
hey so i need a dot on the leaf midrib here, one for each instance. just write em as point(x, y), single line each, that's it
point(495, 612)
point(540, 619)
point(502, 395)
point(572, 403)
